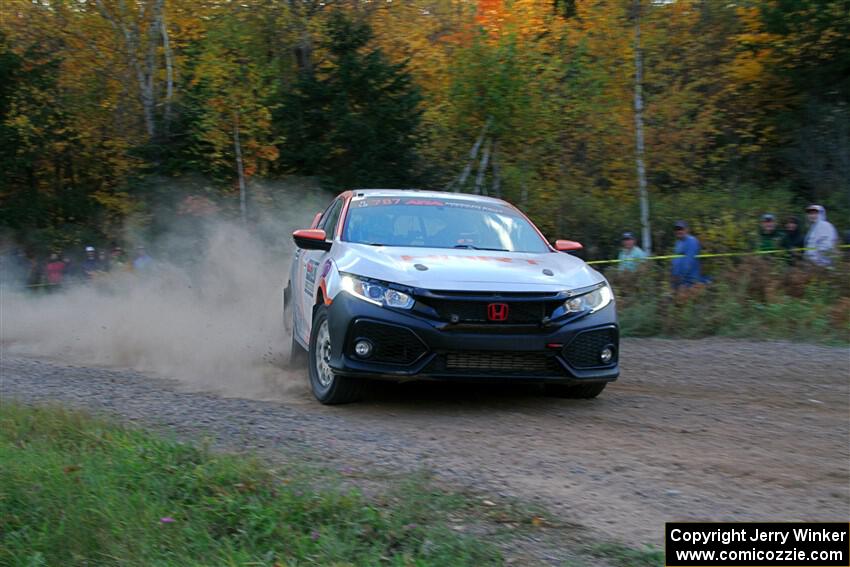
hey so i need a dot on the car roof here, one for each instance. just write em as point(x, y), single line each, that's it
point(423, 193)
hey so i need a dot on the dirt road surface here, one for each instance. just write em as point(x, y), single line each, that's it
point(694, 430)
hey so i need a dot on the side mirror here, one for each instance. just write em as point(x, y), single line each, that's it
point(316, 220)
point(567, 245)
point(311, 239)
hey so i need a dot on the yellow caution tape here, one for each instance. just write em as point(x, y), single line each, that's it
point(717, 255)
point(43, 285)
point(667, 257)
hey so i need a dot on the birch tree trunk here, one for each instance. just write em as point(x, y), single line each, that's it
point(480, 188)
point(169, 73)
point(131, 35)
point(646, 235)
point(149, 84)
point(497, 172)
point(240, 171)
point(473, 153)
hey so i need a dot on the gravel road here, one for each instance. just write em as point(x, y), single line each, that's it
point(694, 430)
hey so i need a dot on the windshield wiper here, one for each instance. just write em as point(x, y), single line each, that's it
point(471, 247)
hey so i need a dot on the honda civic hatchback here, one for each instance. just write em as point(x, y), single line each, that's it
point(427, 285)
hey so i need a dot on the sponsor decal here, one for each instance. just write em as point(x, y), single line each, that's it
point(448, 258)
point(310, 277)
point(425, 202)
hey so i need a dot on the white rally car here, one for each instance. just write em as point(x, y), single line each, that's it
point(410, 285)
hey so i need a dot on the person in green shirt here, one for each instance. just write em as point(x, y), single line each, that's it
point(770, 237)
point(630, 255)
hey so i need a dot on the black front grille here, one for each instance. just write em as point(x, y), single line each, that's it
point(392, 344)
point(519, 312)
point(503, 363)
point(583, 351)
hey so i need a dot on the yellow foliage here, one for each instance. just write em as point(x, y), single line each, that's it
point(117, 203)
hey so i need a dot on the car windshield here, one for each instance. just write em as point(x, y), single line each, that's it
point(440, 223)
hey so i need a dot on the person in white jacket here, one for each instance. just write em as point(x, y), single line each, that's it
point(822, 237)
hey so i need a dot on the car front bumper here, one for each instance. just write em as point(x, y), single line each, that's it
point(410, 347)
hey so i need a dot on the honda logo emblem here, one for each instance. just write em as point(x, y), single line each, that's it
point(497, 311)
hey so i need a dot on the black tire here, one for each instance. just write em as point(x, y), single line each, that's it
point(575, 391)
point(327, 386)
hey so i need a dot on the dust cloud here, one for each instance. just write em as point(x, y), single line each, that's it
point(211, 319)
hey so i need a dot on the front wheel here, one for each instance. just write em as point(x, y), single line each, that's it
point(575, 391)
point(327, 386)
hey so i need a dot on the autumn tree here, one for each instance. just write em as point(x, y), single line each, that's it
point(113, 108)
point(353, 118)
point(236, 121)
point(811, 51)
point(59, 183)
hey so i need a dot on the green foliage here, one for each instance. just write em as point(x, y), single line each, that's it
point(816, 47)
point(747, 109)
point(80, 491)
point(620, 555)
point(490, 81)
point(10, 69)
point(352, 120)
point(48, 186)
point(811, 54)
point(238, 86)
point(494, 81)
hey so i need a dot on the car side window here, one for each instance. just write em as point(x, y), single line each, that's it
point(330, 220)
point(323, 216)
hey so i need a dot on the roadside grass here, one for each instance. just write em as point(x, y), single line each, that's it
point(77, 490)
point(622, 556)
point(751, 299)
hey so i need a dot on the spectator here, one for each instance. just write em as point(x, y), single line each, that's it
point(686, 270)
point(118, 259)
point(822, 237)
point(103, 260)
point(142, 262)
point(630, 255)
point(769, 237)
point(55, 270)
point(16, 269)
point(91, 265)
point(72, 269)
point(793, 239)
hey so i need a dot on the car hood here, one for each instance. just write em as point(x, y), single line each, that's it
point(472, 270)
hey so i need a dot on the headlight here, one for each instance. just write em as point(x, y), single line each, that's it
point(592, 301)
point(376, 293)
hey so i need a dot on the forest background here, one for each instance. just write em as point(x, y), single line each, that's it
point(113, 111)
